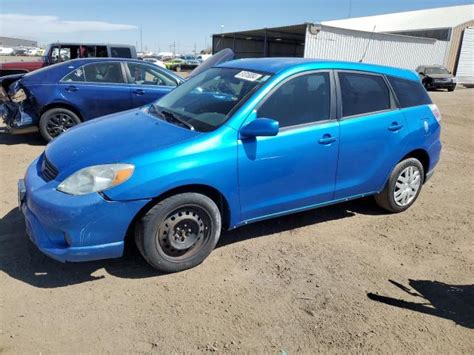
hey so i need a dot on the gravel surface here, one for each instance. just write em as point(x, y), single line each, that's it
point(338, 279)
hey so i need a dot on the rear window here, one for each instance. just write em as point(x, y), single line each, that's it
point(118, 52)
point(363, 93)
point(409, 92)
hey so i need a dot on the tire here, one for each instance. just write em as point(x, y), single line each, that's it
point(398, 195)
point(451, 89)
point(56, 121)
point(179, 232)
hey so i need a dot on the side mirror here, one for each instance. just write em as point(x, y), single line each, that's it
point(260, 127)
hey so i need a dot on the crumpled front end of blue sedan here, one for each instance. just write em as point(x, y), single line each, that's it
point(72, 228)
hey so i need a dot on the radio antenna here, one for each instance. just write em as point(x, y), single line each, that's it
point(368, 44)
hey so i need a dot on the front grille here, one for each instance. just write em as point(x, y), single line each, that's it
point(48, 171)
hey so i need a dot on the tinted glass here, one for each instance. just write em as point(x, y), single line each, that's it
point(76, 75)
point(363, 93)
point(409, 92)
point(206, 100)
point(121, 52)
point(304, 99)
point(147, 75)
point(436, 70)
point(104, 73)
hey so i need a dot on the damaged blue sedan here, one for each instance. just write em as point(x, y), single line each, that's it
point(59, 97)
point(244, 141)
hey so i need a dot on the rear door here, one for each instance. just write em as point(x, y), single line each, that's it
point(372, 132)
point(148, 83)
point(97, 89)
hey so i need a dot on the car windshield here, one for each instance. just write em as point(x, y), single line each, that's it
point(207, 100)
point(436, 71)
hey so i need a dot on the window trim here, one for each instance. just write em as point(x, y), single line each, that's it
point(393, 101)
point(157, 68)
point(332, 98)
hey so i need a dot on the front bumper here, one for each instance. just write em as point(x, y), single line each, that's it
point(441, 85)
point(74, 228)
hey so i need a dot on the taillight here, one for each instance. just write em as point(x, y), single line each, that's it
point(436, 112)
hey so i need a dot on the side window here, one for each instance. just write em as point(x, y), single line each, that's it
point(108, 72)
point(409, 92)
point(304, 99)
point(147, 75)
point(101, 51)
point(363, 93)
point(75, 76)
point(121, 52)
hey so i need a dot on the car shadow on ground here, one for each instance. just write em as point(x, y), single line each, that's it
point(21, 260)
point(454, 302)
point(13, 139)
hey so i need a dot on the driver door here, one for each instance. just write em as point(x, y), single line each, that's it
point(297, 167)
point(148, 83)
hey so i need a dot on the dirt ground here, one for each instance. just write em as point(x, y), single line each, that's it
point(346, 278)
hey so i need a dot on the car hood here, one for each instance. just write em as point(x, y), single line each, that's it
point(117, 138)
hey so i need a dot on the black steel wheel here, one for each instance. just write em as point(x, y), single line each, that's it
point(57, 121)
point(179, 232)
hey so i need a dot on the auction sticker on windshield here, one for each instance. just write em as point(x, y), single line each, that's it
point(248, 75)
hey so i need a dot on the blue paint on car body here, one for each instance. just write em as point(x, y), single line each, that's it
point(302, 167)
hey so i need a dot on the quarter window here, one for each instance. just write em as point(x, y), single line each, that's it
point(409, 92)
point(148, 75)
point(104, 73)
point(301, 100)
point(363, 93)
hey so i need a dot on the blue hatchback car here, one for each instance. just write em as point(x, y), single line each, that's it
point(244, 141)
point(63, 95)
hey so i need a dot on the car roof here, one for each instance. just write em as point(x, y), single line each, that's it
point(278, 65)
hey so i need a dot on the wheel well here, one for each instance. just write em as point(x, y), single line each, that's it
point(422, 156)
point(206, 190)
point(60, 105)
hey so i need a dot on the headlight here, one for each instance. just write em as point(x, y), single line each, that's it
point(453, 80)
point(96, 178)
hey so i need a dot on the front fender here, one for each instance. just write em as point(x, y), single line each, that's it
point(210, 160)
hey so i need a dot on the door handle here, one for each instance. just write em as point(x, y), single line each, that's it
point(327, 139)
point(71, 88)
point(395, 126)
point(139, 92)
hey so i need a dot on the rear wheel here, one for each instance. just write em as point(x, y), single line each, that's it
point(56, 121)
point(179, 232)
point(403, 186)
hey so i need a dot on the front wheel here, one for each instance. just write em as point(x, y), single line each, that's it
point(403, 186)
point(56, 121)
point(179, 232)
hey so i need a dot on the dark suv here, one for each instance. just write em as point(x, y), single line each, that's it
point(61, 52)
point(436, 77)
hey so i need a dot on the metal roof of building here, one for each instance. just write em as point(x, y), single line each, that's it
point(441, 17)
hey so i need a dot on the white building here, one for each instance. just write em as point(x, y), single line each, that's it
point(405, 39)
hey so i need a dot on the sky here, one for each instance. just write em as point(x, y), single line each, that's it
point(186, 23)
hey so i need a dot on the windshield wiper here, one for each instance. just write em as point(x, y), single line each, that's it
point(168, 115)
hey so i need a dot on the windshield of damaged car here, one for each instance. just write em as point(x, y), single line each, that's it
point(436, 70)
point(206, 101)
